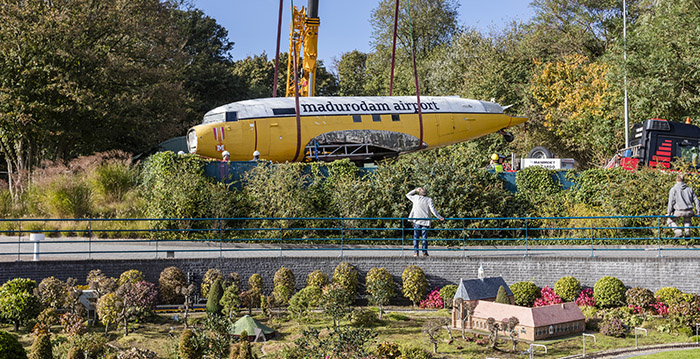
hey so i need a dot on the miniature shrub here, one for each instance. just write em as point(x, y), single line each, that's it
point(613, 327)
point(304, 301)
point(609, 292)
point(447, 293)
point(282, 294)
point(285, 277)
point(567, 288)
point(335, 301)
point(244, 350)
point(586, 298)
point(525, 293)
point(388, 350)
point(433, 301)
point(414, 284)
point(232, 279)
point(170, 279)
point(347, 276)
point(230, 301)
point(209, 278)
point(132, 276)
point(52, 292)
point(215, 294)
point(362, 317)
point(502, 296)
point(10, 348)
point(638, 297)
point(669, 295)
point(547, 297)
point(41, 348)
point(317, 278)
point(93, 344)
point(255, 289)
point(412, 352)
point(188, 346)
point(18, 304)
point(137, 353)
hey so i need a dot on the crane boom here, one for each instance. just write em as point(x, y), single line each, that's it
point(304, 33)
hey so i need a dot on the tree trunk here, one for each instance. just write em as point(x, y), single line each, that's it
point(434, 348)
point(381, 311)
point(16, 323)
point(106, 328)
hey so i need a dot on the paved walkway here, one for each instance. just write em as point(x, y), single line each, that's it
point(13, 248)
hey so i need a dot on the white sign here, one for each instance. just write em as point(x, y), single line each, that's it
point(550, 163)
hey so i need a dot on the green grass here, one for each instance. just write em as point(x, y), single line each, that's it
point(676, 354)
point(401, 327)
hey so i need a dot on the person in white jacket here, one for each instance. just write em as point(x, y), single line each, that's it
point(420, 214)
point(680, 204)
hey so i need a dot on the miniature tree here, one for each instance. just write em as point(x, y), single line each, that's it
point(41, 347)
point(101, 284)
point(18, 304)
point(255, 286)
point(347, 276)
point(509, 326)
point(170, 279)
point(304, 301)
point(266, 304)
point(209, 278)
point(567, 288)
point(317, 278)
point(10, 347)
point(244, 351)
point(187, 293)
point(414, 284)
point(493, 328)
point(335, 302)
point(284, 277)
point(188, 345)
point(108, 309)
point(447, 293)
point(470, 307)
point(215, 294)
point(502, 296)
point(380, 288)
point(52, 293)
point(282, 294)
point(431, 329)
point(230, 301)
point(132, 276)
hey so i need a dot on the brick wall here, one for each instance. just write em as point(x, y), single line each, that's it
point(651, 273)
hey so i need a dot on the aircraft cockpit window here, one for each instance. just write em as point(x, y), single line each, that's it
point(688, 151)
point(231, 116)
point(215, 117)
point(395, 117)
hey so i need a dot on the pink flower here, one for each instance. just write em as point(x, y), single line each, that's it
point(585, 298)
point(434, 301)
point(548, 297)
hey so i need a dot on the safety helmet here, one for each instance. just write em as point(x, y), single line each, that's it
point(494, 156)
point(256, 153)
point(225, 153)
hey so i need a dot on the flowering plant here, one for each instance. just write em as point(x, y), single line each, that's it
point(659, 307)
point(548, 297)
point(433, 301)
point(585, 298)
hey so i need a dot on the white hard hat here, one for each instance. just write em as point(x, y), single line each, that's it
point(256, 153)
point(225, 153)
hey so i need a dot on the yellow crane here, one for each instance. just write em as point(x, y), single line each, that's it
point(303, 39)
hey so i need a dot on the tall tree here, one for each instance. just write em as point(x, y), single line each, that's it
point(82, 76)
point(352, 69)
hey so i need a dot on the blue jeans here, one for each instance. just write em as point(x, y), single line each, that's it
point(418, 232)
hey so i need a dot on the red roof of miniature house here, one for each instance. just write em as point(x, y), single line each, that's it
point(531, 317)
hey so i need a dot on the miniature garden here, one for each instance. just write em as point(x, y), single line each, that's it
point(338, 316)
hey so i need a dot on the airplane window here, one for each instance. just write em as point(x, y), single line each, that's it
point(231, 116)
point(395, 117)
point(356, 118)
point(284, 111)
point(376, 118)
point(216, 117)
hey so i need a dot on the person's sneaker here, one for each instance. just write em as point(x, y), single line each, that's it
point(415, 254)
point(425, 254)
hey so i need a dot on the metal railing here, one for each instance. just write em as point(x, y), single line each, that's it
point(157, 236)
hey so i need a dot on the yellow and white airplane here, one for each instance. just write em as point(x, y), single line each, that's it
point(329, 128)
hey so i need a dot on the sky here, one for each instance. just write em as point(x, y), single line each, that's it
point(345, 26)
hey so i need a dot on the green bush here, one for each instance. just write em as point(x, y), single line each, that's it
point(41, 348)
point(388, 350)
point(188, 346)
point(93, 344)
point(347, 277)
point(362, 317)
point(609, 292)
point(209, 278)
point(335, 302)
point(412, 352)
point(10, 348)
point(284, 277)
point(255, 283)
point(567, 288)
point(113, 180)
point(669, 295)
point(18, 304)
point(131, 276)
point(640, 297)
point(67, 196)
point(282, 294)
point(170, 280)
point(414, 284)
point(380, 287)
point(215, 294)
point(502, 296)
point(525, 293)
point(447, 293)
point(613, 327)
point(317, 278)
point(304, 301)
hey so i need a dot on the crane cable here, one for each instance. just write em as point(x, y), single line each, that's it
point(393, 49)
point(415, 76)
point(277, 53)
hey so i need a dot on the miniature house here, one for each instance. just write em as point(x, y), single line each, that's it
point(473, 290)
point(535, 323)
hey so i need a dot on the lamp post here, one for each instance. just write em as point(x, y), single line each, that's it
point(584, 342)
point(635, 335)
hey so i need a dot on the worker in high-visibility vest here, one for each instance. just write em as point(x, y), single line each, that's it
point(496, 163)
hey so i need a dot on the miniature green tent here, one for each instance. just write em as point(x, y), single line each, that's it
point(248, 324)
